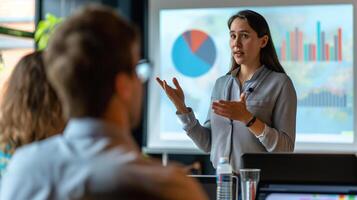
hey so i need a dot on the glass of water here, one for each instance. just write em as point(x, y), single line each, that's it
point(249, 179)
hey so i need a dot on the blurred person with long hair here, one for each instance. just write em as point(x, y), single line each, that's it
point(30, 109)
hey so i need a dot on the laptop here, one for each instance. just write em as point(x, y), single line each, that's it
point(287, 191)
point(301, 176)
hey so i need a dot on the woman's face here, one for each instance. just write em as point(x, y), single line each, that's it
point(245, 43)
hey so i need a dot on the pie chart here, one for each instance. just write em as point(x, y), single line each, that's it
point(193, 53)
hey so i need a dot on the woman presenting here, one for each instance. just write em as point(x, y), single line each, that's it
point(253, 105)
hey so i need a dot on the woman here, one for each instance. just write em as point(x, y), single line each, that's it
point(30, 109)
point(253, 106)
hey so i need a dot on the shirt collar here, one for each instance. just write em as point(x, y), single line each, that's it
point(255, 76)
point(84, 128)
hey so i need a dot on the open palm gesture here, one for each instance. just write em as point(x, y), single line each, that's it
point(176, 95)
point(235, 110)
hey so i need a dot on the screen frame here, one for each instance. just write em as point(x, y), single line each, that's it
point(154, 55)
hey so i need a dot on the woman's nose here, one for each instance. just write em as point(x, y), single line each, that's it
point(238, 42)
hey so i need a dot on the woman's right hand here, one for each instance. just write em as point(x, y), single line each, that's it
point(176, 95)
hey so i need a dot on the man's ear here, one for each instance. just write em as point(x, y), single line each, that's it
point(264, 41)
point(122, 87)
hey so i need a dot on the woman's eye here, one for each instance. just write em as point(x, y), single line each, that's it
point(233, 36)
point(244, 35)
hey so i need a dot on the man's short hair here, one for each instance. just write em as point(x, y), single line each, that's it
point(84, 56)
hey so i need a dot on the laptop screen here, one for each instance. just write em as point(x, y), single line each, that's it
point(307, 192)
point(291, 196)
point(299, 176)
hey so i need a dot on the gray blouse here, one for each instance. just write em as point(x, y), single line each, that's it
point(271, 97)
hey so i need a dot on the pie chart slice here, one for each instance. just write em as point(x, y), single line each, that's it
point(193, 53)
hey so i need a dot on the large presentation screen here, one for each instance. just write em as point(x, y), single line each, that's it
point(315, 45)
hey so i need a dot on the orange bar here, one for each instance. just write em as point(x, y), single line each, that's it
point(327, 52)
point(339, 38)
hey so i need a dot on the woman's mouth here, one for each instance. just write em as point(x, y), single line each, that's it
point(238, 53)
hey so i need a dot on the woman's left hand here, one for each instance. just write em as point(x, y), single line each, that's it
point(235, 110)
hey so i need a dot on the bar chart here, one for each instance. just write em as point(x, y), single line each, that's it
point(294, 48)
point(323, 98)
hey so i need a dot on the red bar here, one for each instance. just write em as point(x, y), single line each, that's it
point(339, 38)
point(283, 50)
point(313, 52)
point(327, 52)
point(300, 49)
point(292, 45)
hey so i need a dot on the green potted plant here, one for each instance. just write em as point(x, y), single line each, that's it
point(45, 29)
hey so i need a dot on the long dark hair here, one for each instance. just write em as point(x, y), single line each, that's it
point(268, 55)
